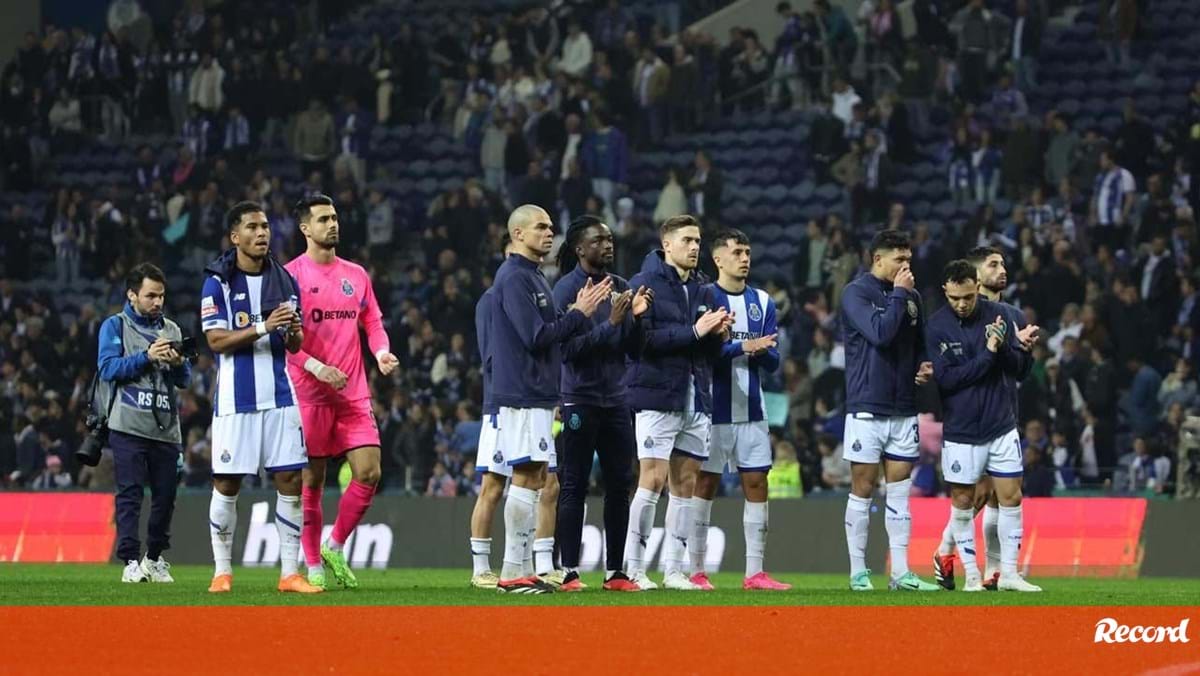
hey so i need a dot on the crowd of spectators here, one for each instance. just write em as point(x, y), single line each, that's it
point(553, 103)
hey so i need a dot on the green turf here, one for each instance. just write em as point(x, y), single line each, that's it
point(63, 584)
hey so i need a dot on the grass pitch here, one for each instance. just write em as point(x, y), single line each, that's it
point(98, 585)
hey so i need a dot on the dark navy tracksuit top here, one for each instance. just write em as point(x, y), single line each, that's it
point(483, 332)
point(594, 362)
point(884, 333)
point(524, 347)
point(977, 404)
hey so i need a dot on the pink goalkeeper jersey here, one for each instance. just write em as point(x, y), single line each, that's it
point(337, 299)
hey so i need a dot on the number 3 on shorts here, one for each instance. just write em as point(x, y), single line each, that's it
point(916, 434)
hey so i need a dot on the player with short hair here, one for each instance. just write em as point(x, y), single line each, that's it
point(668, 385)
point(251, 315)
point(993, 279)
point(740, 438)
point(525, 358)
point(883, 329)
point(335, 400)
point(494, 472)
point(974, 352)
point(596, 420)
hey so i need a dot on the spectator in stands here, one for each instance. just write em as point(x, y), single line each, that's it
point(66, 234)
point(441, 484)
point(1118, 24)
point(835, 471)
point(651, 84)
point(1179, 387)
point(706, 187)
point(1061, 151)
point(839, 35)
point(1146, 470)
point(1135, 143)
point(314, 139)
point(844, 100)
point(1025, 42)
point(1007, 102)
point(205, 90)
point(576, 51)
point(605, 155)
point(66, 125)
point(53, 477)
point(684, 90)
point(671, 199)
point(1141, 405)
point(986, 164)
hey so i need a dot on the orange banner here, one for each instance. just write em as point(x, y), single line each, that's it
point(1063, 536)
point(56, 527)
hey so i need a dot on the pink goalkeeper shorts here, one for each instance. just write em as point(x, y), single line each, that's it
point(331, 431)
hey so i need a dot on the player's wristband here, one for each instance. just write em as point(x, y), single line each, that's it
point(260, 328)
point(313, 365)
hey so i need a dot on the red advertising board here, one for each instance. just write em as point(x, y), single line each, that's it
point(1062, 536)
point(56, 527)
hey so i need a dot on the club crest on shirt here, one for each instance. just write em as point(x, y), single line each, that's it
point(574, 422)
point(540, 299)
point(912, 309)
point(347, 287)
point(225, 457)
point(754, 312)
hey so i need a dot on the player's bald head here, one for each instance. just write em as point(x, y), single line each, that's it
point(525, 216)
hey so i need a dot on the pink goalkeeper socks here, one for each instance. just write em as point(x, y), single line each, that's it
point(354, 503)
point(310, 532)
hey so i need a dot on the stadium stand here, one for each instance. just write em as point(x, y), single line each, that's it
point(426, 121)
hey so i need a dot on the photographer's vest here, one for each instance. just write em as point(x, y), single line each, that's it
point(144, 407)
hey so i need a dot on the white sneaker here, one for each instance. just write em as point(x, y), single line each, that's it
point(678, 581)
point(133, 573)
point(157, 571)
point(974, 584)
point(644, 583)
point(1014, 582)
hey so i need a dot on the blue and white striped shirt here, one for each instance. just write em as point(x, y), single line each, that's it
point(255, 377)
point(737, 385)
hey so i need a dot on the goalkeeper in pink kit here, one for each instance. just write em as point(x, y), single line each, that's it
point(335, 401)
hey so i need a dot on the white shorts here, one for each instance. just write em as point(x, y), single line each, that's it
point(869, 437)
point(745, 447)
point(966, 463)
point(524, 435)
point(660, 432)
point(243, 443)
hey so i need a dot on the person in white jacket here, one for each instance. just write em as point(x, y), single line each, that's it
point(205, 88)
point(576, 51)
point(671, 200)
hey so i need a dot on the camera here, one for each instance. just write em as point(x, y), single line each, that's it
point(186, 348)
point(93, 444)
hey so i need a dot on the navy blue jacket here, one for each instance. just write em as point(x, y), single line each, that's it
point(977, 404)
point(483, 331)
point(884, 333)
point(594, 362)
point(1016, 321)
point(670, 356)
point(524, 349)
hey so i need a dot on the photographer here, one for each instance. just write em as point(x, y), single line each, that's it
point(143, 358)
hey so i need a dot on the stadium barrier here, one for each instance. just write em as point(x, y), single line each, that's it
point(1116, 537)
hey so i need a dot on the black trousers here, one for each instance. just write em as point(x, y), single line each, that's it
point(139, 463)
point(608, 432)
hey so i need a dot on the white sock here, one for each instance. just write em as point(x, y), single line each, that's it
point(963, 523)
point(858, 518)
point(754, 525)
point(527, 565)
point(222, 521)
point(543, 556)
point(947, 545)
point(641, 525)
point(680, 526)
point(481, 555)
point(1010, 532)
point(698, 545)
point(519, 513)
point(991, 537)
point(899, 525)
point(288, 517)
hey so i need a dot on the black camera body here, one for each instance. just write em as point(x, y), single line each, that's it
point(186, 348)
point(93, 444)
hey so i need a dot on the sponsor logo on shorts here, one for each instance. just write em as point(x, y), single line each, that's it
point(225, 457)
point(574, 422)
point(754, 312)
point(956, 468)
point(1109, 630)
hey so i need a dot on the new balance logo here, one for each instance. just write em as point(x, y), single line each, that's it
point(1109, 630)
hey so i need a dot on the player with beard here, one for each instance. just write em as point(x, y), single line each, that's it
point(335, 400)
point(993, 280)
